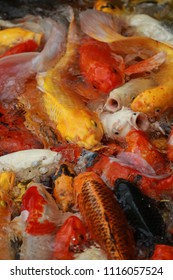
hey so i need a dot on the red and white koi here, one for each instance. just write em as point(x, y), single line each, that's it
point(40, 215)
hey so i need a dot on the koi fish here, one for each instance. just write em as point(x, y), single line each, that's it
point(111, 7)
point(117, 125)
point(16, 69)
point(75, 122)
point(142, 214)
point(13, 37)
point(40, 216)
point(155, 100)
point(147, 26)
point(63, 189)
point(14, 135)
point(72, 233)
point(103, 69)
point(138, 143)
point(125, 94)
point(162, 252)
point(28, 46)
point(28, 158)
point(7, 179)
point(110, 168)
point(103, 216)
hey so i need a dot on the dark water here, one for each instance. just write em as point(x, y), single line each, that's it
point(14, 9)
point(10, 9)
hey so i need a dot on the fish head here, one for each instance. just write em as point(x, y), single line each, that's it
point(85, 129)
point(73, 229)
point(111, 7)
point(154, 101)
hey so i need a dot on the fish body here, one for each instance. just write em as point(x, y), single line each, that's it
point(71, 233)
point(162, 252)
point(154, 101)
point(63, 189)
point(145, 25)
point(28, 158)
point(138, 143)
point(75, 122)
point(99, 66)
point(11, 37)
point(103, 216)
point(110, 169)
point(142, 214)
point(40, 216)
point(28, 46)
point(14, 135)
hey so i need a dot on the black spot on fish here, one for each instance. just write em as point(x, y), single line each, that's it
point(142, 214)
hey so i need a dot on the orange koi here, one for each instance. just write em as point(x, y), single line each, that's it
point(103, 216)
point(71, 233)
point(162, 252)
point(138, 143)
point(13, 37)
point(63, 190)
point(102, 68)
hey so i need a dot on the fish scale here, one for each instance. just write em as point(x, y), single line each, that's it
point(103, 216)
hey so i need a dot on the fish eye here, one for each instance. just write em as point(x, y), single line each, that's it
point(68, 139)
point(157, 110)
point(93, 123)
point(108, 5)
point(116, 132)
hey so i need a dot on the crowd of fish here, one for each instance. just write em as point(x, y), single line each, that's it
point(86, 136)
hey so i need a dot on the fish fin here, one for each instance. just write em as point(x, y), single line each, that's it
point(100, 26)
point(14, 70)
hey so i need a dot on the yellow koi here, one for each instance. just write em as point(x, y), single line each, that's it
point(6, 181)
point(75, 122)
point(12, 36)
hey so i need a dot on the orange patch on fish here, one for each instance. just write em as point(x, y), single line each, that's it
point(28, 46)
point(71, 233)
point(102, 68)
point(35, 202)
point(138, 143)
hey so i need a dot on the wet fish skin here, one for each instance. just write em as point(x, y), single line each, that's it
point(103, 216)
